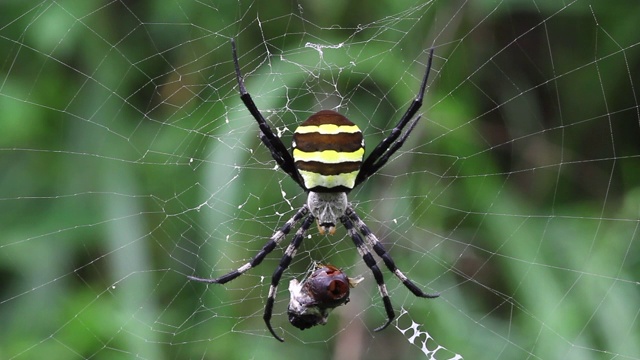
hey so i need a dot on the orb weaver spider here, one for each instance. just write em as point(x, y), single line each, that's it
point(327, 163)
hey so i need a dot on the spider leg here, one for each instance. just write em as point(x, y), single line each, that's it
point(394, 147)
point(284, 264)
point(278, 151)
point(381, 252)
point(266, 249)
point(371, 263)
point(381, 154)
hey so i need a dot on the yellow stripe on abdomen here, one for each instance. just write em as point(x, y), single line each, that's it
point(328, 156)
point(328, 129)
point(313, 179)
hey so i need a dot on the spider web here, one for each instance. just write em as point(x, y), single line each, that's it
point(129, 163)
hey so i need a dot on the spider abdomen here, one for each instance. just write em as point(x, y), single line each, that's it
point(328, 151)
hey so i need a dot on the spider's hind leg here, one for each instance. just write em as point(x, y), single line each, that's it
point(387, 147)
point(278, 151)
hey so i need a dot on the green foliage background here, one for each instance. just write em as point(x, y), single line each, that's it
point(127, 160)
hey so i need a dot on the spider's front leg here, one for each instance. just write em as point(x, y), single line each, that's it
point(371, 263)
point(382, 252)
point(266, 249)
point(348, 220)
point(284, 264)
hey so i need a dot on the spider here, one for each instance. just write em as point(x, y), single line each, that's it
point(327, 163)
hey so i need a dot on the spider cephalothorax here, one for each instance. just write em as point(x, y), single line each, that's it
point(327, 162)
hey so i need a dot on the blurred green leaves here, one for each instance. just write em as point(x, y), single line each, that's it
point(129, 162)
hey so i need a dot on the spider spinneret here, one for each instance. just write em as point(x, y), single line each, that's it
point(327, 163)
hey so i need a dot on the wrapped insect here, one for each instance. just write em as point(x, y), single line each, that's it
point(324, 289)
